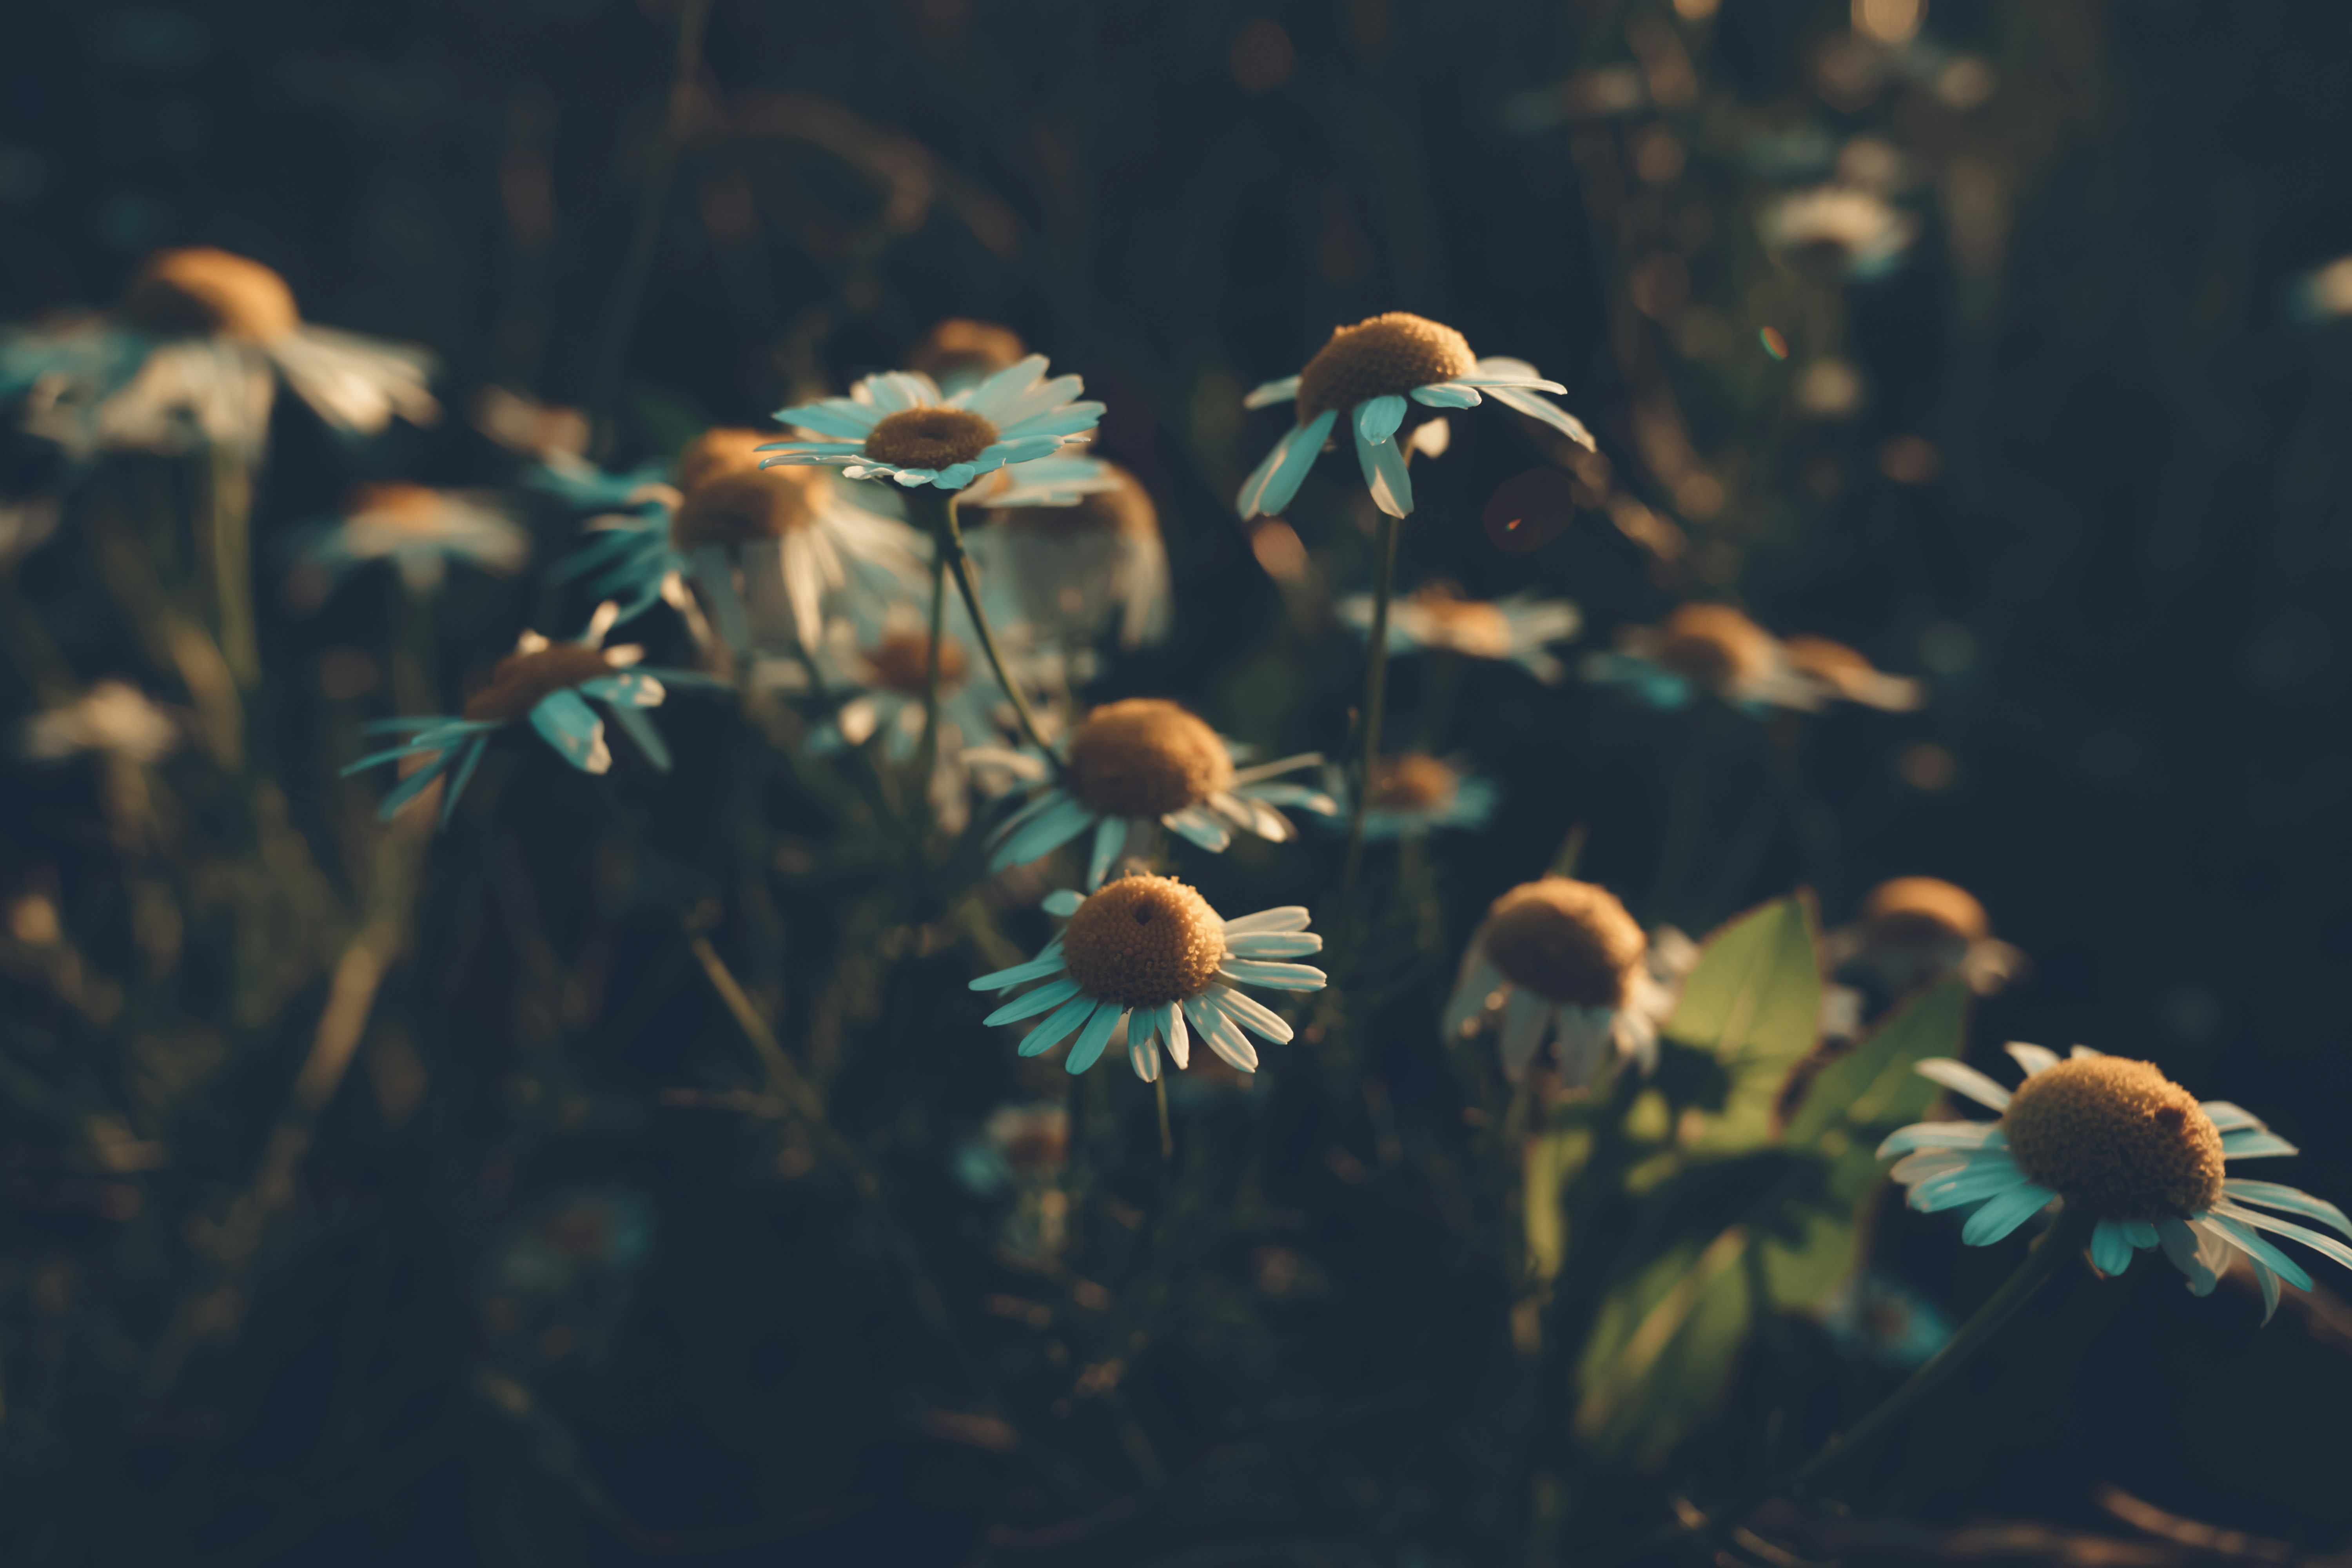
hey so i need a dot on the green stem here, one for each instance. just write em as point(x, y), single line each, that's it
point(2066, 1238)
point(1367, 722)
point(949, 535)
point(927, 751)
point(1167, 1133)
point(229, 524)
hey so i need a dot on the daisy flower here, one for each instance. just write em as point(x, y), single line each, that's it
point(1560, 958)
point(1131, 763)
point(2124, 1146)
point(1436, 618)
point(113, 717)
point(1847, 675)
point(1915, 931)
point(1069, 566)
point(1706, 648)
point(420, 530)
point(899, 426)
point(547, 683)
point(1838, 229)
point(1375, 374)
point(1148, 955)
point(1414, 795)
point(767, 548)
point(193, 355)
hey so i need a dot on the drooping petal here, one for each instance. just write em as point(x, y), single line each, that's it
point(2229, 1118)
point(2273, 1195)
point(1142, 1051)
point(1088, 1046)
point(1199, 827)
point(1036, 968)
point(2003, 1215)
point(1381, 459)
point(1110, 842)
point(1064, 901)
point(2326, 1246)
point(1942, 1136)
point(2243, 1237)
point(1044, 999)
point(1047, 832)
point(1534, 406)
point(2111, 1248)
point(1962, 1078)
point(1180, 1038)
point(640, 729)
point(1525, 1016)
point(2255, 1143)
point(567, 723)
point(2194, 1252)
point(1250, 1014)
point(1056, 1029)
point(1928, 1164)
point(1275, 482)
point(1209, 1021)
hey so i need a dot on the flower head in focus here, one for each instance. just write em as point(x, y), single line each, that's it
point(548, 684)
point(1379, 374)
point(1129, 765)
point(1437, 618)
point(192, 357)
point(1070, 567)
point(2132, 1151)
point(1560, 959)
point(899, 427)
point(1148, 955)
point(418, 529)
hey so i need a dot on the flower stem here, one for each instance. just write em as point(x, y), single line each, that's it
point(1368, 721)
point(1167, 1134)
point(2066, 1238)
point(949, 535)
point(228, 517)
point(927, 751)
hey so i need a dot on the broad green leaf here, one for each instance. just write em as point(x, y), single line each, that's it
point(1754, 999)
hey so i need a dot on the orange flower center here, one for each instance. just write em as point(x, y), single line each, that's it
point(1144, 757)
point(929, 438)
point(202, 291)
point(1571, 941)
point(1385, 356)
point(1143, 941)
point(2118, 1137)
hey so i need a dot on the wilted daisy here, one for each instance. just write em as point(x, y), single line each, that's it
point(1436, 618)
point(1560, 958)
point(1414, 794)
point(113, 717)
point(1838, 229)
point(2125, 1147)
point(1703, 648)
point(899, 426)
point(419, 530)
point(1148, 954)
point(767, 548)
point(1375, 374)
point(192, 356)
point(1070, 567)
point(1131, 763)
point(548, 684)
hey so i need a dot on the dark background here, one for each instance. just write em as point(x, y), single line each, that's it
point(2141, 520)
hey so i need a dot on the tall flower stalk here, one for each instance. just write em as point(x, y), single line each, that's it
point(937, 510)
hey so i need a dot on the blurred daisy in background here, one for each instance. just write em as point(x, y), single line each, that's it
point(553, 436)
point(1073, 567)
point(1840, 230)
point(899, 426)
point(1132, 763)
point(1849, 676)
point(1147, 956)
point(419, 530)
point(192, 357)
point(1912, 931)
point(113, 717)
point(548, 684)
point(1560, 959)
point(1437, 618)
point(2125, 1147)
point(1414, 794)
point(1385, 375)
point(1705, 649)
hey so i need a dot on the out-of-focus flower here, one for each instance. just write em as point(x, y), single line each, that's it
point(2126, 1147)
point(1148, 955)
point(1414, 795)
point(1848, 675)
point(2322, 294)
point(1562, 958)
point(547, 683)
point(113, 717)
point(1714, 648)
point(1877, 1315)
point(958, 352)
point(769, 549)
point(899, 426)
point(1912, 932)
point(1131, 763)
point(1381, 374)
point(554, 436)
point(1437, 618)
point(420, 530)
point(1837, 229)
point(1017, 1143)
point(192, 357)
point(1069, 567)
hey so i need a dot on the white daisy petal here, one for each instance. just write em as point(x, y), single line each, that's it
point(1272, 945)
point(1110, 841)
point(1074, 1013)
point(1526, 1018)
point(1209, 1021)
point(1288, 918)
point(1180, 1038)
point(2003, 1215)
point(1527, 403)
point(1200, 827)
point(1446, 394)
point(2032, 1059)
point(1276, 483)
point(1276, 976)
point(1962, 1078)
point(1251, 1014)
point(1383, 465)
point(1270, 392)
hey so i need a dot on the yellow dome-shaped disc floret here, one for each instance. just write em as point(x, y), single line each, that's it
point(1145, 757)
point(1144, 941)
point(1569, 940)
point(1385, 356)
point(2117, 1137)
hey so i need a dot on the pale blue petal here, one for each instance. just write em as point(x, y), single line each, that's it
point(1249, 1013)
point(1047, 833)
point(2273, 1195)
point(1200, 827)
point(2032, 1059)
point(469, 754)
point(1377, 418)
point(1269, 392)
point(2262, 1252)
point(1110, 838)
point(1942, 1136)
point(1064, 901)
point(1962, 1078)
point(1382, 463)
point(1044, 999)
point(1036, 968)
point(567, 723)
point(1446, 394)
point(2326, 1246)
point(2004, 1214)
point(1276, 976)
point(1056, 1029)
point(1552, 414)
point(2229, 1118)
point(1272, 944)
point(1275, 484)
point(2111, 1249)
point(2252, 1143)
point(640, 729)
point(2181, 1246)
point(1092, 1037)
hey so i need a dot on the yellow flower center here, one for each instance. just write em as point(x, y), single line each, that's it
point(1465, 625)
point(1145, 757)
point(2118, 1137)
point(206, 290)
point(1918, 911)
point(749, 504)
point(1715, 645)
point(901, 662)
point(413, 509)
point(1568, 941)
point(929, 438)
point(1385, 356)
point(522, 680)
point(980, 348)
point(1411, 783)
point(1143, 941)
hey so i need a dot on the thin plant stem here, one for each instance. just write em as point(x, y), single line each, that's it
point(927, 751)
point(228, 527)
point(1167, 1134)
point(2066, 1238)
point(949, 535)
point(637, 271)
point(1367, 722)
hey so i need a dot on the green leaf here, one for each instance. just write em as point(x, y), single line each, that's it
point(1754, 999)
